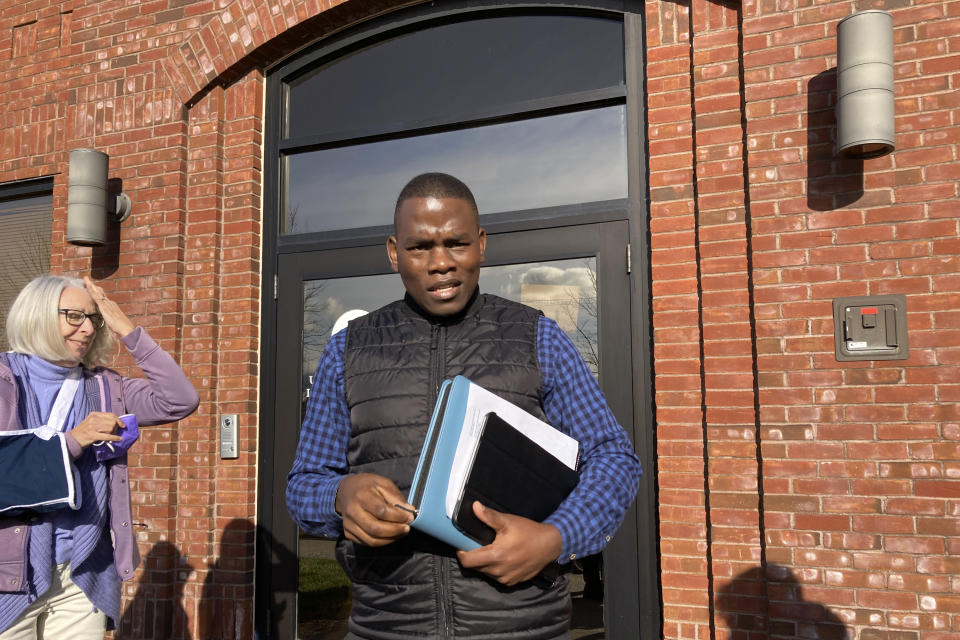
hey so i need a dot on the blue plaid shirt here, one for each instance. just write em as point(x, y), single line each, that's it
point(572, 402)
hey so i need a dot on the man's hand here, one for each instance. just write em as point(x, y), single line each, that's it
point(520, 551)
point(367, 504)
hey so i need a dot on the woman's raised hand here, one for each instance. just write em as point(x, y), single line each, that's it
point(113, 316)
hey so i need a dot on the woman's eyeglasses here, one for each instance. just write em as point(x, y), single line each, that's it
point(75, 318)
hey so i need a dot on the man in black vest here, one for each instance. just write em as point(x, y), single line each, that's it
point(366, 422)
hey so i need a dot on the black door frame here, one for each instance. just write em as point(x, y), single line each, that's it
point(642, 518)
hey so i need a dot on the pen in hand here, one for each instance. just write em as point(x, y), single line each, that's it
point(407, 509)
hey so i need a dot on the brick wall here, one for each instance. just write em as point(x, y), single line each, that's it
point(702, 311)
point(186, 266)
point(796, 494)
point(861, 496)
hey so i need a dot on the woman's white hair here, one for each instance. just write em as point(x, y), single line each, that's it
point(33, 323)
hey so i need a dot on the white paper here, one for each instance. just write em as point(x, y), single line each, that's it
point(480, 402)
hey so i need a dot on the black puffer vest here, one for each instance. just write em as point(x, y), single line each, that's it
point(394, 362)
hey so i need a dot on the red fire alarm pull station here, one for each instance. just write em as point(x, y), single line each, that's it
point(871, 328)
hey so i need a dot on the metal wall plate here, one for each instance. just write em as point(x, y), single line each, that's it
point(870, 328)
point(228, 436)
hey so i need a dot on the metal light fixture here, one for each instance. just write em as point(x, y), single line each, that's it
point(89, 203)
point(864, 110)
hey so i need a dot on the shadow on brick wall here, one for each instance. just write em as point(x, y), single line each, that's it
point(769, 603)
point(156, 611)
point(105, 260)
point(833, 181)
point(225, 608)
point(225, 611)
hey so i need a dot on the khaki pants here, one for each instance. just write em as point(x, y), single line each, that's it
point(64, 612)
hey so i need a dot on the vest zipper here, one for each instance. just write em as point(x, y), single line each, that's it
point(438, 335)
point(446, 615)
point(438, 341)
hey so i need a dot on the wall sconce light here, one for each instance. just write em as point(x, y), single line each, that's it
point(89, 204)
point(865, 85)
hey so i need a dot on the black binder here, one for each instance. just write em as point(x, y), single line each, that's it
point(512, 474)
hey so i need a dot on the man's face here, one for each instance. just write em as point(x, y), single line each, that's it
point(437, 250)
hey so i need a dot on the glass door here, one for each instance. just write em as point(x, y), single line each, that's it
point(576, 275)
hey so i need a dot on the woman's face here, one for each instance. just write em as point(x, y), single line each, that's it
point(78, 340)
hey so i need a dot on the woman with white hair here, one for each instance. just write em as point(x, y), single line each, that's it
point(61, 569)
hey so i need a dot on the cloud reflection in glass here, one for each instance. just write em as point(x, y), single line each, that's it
point(542, 162)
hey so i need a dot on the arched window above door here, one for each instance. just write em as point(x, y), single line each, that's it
point(450, 72)
point(527, 108)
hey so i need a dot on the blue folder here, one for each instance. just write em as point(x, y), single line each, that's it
point(507, 469)
point(428, 493)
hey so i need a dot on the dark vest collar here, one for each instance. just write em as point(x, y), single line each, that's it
point(473, 305)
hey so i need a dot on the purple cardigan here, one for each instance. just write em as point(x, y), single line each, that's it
point(164, 396)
